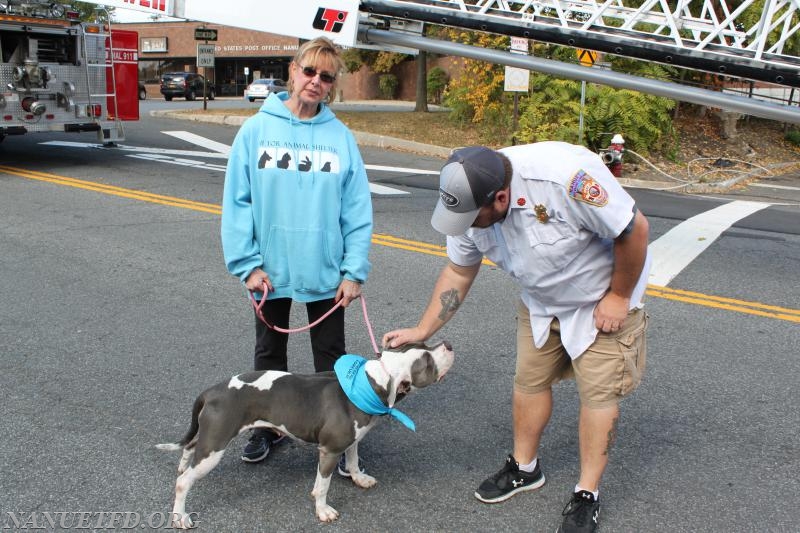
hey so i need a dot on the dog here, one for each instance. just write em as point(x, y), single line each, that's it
point(314, 408)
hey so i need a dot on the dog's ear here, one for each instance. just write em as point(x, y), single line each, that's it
point(401, 386)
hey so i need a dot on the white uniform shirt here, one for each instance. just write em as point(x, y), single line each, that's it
point(557, 238)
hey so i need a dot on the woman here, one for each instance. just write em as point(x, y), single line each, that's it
point(297, 215)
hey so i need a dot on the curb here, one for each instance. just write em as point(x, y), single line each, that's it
point(382, 141)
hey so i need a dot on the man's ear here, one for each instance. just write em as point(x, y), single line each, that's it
point(501, 198)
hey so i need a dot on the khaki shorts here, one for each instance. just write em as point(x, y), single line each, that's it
point(611, 368)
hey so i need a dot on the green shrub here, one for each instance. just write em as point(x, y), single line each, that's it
point(552, 111)
point(387, 86)
point(461, 112)
point(793, 136)
point(437, 81)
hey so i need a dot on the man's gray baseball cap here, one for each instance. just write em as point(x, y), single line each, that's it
point(468, 181)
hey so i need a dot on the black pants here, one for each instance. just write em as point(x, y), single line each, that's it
point(327, 338)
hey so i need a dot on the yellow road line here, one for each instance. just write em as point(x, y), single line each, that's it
point(678, 295)
point(415, 246)
point(729, 304)
point(112, 190)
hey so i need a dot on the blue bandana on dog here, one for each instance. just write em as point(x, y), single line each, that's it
point(353, 379)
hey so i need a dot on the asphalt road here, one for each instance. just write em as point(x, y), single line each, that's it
point(117, 311)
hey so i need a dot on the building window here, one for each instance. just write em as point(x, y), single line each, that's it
point(154, 44)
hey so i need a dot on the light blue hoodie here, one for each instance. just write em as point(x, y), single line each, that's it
point(296, 203)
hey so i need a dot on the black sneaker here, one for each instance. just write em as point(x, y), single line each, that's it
point(342, 468)
point(580, 514)
point(257, 448)
point(509, 481)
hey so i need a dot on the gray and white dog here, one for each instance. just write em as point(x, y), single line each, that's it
point(311, 408)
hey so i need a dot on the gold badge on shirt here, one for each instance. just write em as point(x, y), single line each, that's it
point(541, 213)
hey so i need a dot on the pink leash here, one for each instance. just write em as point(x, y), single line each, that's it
point(257, 306)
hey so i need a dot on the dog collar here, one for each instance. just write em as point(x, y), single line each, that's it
point(355, 384)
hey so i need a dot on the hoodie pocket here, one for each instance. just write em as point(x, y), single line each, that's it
point(303, 259)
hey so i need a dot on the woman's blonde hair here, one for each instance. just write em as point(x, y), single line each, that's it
point(311, 52)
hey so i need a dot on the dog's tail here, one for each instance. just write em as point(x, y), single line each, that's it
point(189, 440)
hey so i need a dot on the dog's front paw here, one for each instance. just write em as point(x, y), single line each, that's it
point(364, 481)
point(326, 513)
point(182, 521)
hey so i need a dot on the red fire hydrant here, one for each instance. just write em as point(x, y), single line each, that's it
point(612, 156)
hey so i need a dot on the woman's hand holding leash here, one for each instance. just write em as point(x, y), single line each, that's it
point(256, 280)
point(348, 291)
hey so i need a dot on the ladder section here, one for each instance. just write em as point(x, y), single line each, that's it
point(99, 63)
point(98, 45)
point(754, 39)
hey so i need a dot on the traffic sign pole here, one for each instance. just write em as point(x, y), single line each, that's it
point(587, 58)
point(205, 34)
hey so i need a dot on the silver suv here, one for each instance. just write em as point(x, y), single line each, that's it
point(263, 87)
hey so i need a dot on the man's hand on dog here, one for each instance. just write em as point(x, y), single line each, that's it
point(399, 337)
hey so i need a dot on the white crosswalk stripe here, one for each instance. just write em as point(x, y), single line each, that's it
point(676, 249)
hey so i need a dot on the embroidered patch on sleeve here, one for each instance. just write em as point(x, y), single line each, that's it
point(584, 188)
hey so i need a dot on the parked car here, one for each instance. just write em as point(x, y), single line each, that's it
point(263, 87)
point(142, 91)
point(185, 85)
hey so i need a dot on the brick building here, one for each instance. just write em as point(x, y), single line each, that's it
point(243, 55)
point(240, 55)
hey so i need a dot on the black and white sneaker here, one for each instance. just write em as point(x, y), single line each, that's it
point(509, 481)
point(581, 514)
point(342, 467)
point(257, 448)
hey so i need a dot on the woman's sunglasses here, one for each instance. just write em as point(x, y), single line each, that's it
point(323, 76)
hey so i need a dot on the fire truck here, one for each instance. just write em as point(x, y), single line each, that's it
point(58, 74)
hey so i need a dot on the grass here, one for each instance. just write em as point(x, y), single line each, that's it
point(429, 128)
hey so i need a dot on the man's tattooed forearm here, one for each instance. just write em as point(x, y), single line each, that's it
point(450, 303)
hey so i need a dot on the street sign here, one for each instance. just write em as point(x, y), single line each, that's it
point(205, 55)
point(517, 79)
point(205, 34)
point(519, 45)
point(587, 57)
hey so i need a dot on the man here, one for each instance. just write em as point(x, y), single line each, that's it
point(552, 216)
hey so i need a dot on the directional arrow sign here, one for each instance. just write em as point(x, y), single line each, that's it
point(205, 34)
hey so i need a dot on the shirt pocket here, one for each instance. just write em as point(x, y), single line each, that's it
point(554, 241)
point(633, 346)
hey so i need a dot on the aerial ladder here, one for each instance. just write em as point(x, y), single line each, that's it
point(755, 40)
